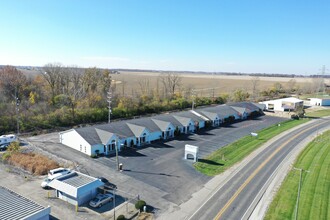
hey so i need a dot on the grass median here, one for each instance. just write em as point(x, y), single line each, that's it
point(314, 200)
point(225, 157)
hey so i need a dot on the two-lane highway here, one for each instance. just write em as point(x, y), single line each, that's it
point(234, 198)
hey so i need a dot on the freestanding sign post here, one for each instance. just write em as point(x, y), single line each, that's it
point(191, 150)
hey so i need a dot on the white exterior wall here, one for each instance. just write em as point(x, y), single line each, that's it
point(86, 196)
point(320, 102)
point(72, 139)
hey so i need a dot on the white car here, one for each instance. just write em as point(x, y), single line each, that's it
point(58, 172)
point(45, 182)
point(101, 199)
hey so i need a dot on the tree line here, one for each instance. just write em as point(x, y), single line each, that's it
point(64, 96)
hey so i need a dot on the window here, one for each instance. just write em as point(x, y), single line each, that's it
point(80, 147)
point(85, 149)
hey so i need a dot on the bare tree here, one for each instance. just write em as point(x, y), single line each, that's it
point(144, 86)
point(255, 87)
point(52, 74)
point(170, 82)
point(91, 78)
point(11, 81)
point(291, 85)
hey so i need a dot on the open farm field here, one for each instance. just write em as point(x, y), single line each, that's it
point(204, 84)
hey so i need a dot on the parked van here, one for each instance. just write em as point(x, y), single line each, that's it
point(5, 140)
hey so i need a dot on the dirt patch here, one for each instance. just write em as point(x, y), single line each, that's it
point(145, 216)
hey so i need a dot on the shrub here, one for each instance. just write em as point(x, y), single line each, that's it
point(139, 204)
point(121, 217)
point(34, 163)
point(296, 117)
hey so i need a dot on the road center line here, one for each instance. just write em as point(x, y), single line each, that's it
point(248, 180)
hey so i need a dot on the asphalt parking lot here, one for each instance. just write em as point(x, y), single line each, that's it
point(162, 165)
point(156, 172)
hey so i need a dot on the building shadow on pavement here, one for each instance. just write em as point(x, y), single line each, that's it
point(143, 172)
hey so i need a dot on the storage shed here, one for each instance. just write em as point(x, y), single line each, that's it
point(15, 206)
point(76, 188)
point(320, 101)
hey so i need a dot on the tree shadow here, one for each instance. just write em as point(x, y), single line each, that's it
point(211, 162)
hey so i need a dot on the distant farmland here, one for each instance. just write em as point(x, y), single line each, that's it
point(204, 83)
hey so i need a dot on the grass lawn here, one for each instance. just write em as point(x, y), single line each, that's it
point(314, 202)
point(227, 156)
point(319, 113)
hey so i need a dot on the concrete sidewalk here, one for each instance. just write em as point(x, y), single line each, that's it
point(187, 209)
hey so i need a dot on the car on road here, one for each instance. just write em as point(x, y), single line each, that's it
point(101, 199)
point(107, 184)
point(58, 172)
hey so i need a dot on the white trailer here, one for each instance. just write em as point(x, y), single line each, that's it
point(7, 139)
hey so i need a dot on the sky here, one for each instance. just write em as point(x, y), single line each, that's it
point(247, 36)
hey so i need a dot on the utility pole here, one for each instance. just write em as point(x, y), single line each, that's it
point(109, 97)
point(299, 188)
point(322, 81)
point(17, 103)
point(193, 95)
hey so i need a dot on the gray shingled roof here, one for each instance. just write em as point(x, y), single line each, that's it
point(120, 128)
point(223, 111)
point(189, 114)
point(211, 115)
point(15, 206)
point(145, 122)
point(241, 110)
point(248, 105)
point(89, 134)
point(170, 118)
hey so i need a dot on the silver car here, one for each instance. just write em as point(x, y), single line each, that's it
point(101, 199)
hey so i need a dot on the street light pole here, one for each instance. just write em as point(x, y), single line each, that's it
point(299, 188)
point(117, 160)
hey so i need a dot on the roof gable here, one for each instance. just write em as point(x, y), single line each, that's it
point(183, 120)
point(163, 125)
point(136, 129)
point(104, 136)
point(211, 115)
